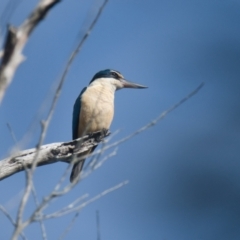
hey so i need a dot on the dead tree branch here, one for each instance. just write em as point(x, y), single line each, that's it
point(49, 153)
point(15, 42)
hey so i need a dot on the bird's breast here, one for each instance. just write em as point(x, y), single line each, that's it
point(97, 110)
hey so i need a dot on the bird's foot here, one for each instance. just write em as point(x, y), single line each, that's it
point(105, 132)
point(100, 135)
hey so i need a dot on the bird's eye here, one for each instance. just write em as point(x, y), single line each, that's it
point(115, 75)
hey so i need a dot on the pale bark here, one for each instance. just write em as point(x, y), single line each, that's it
point(49, 153)
point(15, 42)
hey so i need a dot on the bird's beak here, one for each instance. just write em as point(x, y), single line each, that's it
point(127, 84)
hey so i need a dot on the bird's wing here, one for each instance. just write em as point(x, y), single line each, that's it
point(76, 112)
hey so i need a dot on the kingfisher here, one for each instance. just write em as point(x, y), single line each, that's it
point(94, 108)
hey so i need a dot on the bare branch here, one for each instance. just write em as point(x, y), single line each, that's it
point(81, 206)
point(155, 121)
point(4, 211)
point(74, 203)
point(55, 193)
point(43, 229)
point(19, 225)
point(15, 42)
point(92, 166)
point(84, 38)
point(12, 133)
point(49, 153)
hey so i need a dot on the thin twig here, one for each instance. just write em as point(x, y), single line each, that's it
point(43, 229)
point(155, 121)
point(90, 169)
point(12, 133)
point(4, 211)
point(54, 194)
point(79, 208)
point(94, 159)
point(19, 225)
point(74, 203)
point(84, 38)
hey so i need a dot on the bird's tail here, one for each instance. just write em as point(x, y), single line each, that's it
point(77, 168)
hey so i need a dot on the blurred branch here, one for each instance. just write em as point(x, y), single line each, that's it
point(155, 121)
point(83, 39)
point(78, 208)
point(16, 40)
point(43, 229)
point(12, 133)
point(81, 206)
point(4, 211)
point(49, 153)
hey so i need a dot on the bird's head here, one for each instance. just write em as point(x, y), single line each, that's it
point(114, 78)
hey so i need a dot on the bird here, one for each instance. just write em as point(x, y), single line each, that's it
point(94, 108)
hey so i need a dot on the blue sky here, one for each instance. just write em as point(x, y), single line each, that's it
point(183, 174)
